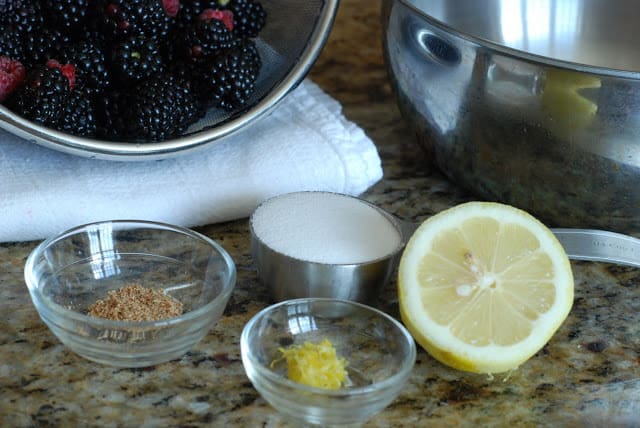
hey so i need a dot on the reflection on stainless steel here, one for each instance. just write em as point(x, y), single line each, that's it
point(530, 102)
point(593, 32)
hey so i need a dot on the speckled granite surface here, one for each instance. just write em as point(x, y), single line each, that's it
point(588, 375)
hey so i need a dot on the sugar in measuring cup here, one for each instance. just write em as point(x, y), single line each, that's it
point(323, 244)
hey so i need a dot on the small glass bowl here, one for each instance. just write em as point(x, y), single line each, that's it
point(380, 355)
point(67, 273)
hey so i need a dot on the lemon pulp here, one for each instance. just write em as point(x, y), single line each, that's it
point(483, 286)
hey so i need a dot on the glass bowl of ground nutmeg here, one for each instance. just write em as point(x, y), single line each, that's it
point(130, 293)
point(324, 361)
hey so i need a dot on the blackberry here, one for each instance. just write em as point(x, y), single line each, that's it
point(7, 6)
point(93, 34)
point(43, 45)
point(160, 108)
point(21, 22)
point(195, 7)
point(135, 18)
point(77, 115)
point(67, 15)
point(135, 59)
point(206, 39)
point(229, 80)
point(23, 19)
point(89, 59)
point(249, 17)
point(43, 96)
point(191, 9)
point(183, 70)
point(111, 115)
point(11, 45)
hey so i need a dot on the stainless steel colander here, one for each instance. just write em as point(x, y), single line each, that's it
point(289, 44)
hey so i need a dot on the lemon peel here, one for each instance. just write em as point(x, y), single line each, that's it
point(315, 364)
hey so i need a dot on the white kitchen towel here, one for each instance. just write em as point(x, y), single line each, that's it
point(306, 143)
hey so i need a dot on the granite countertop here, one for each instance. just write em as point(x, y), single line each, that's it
point(587, 375)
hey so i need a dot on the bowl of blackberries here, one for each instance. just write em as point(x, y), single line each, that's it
point(143, 79)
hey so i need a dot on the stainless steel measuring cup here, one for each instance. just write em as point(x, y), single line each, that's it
point(288, 277)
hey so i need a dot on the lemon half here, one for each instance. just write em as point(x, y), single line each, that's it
point(483, 286)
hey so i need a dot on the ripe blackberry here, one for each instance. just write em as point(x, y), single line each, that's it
point(7, 6)
point(160, 108)
point(183, 70)
point(67, 15)
point(91, 67)
point(111, 115)
point(121, 19)
point(24, 18)
point(207, 38)
point(191, 9)
point(11, 44)
point(77, 115)
point(68, 71)
point(229, 80)
point(135, 59)
point(94, 34)
point(43, 45)
point(248, 16)
point(43, 96)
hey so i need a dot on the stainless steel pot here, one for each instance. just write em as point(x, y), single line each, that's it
point(533, 103)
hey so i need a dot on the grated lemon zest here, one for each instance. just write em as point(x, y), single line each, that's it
point(315, 364)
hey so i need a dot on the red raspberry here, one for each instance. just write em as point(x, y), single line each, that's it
point(226, 16)
point(171, 7)
point(68, 70)
point(12, 76)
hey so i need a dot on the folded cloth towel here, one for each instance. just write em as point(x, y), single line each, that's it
point(304, 144)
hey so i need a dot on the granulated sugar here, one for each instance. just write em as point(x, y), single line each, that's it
point(325, 228)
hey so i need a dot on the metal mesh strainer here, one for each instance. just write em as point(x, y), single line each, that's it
point(290, 42)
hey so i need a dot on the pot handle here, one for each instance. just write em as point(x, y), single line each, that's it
point(437, 48)
point(600, 246)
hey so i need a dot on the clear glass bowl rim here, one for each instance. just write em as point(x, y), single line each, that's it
point(274, 378)
point(43, 303)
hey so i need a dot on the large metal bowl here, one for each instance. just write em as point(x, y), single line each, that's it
point(532, 103)
point(291, 40)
